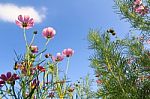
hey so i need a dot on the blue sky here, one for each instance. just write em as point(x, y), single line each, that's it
point(72, 20)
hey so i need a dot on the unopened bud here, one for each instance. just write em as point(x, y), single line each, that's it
point(35, 32)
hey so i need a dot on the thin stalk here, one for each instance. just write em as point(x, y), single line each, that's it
point(57, 74)
point(47, 79)
point(37, 88)
point(44, 80)
point(66, 73)
point(67, 67)
point(32, 39)
point(44, 48)
point(23, 89)
point(25, 37)
point(13, 89)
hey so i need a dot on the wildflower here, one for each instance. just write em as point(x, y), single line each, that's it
point(41, 68)
point(35, 83)
point(68, 52)
point(59, 57)
point(25, 22)
point(24, 70)
point(137, 2)
point(141, 9)
point(9, 78)
point(34, 49)
point(49, 32)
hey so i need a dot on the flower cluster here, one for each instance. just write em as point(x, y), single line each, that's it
point(140, 8)
point(37, 76)
point(60, 56)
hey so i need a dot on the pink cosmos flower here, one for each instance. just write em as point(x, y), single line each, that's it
point(137, 2)
point(25, 22)
point(59, 57)
point(68, 52)
point(141, 9)
point(9, 78)
point(34, 49)
point(49, 32)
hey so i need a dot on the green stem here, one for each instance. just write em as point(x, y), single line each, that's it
point(13, 89)
point(57, 75)
point(25, 37)
point(32, 39)
point(27, 47)
point(44, 80)
point(37, 88)
point(67, 67)
point(44, 48)
point(23, 89)
point(47, 79)
point(66, 74)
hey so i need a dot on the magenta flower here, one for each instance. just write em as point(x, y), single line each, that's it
point(137, 2)
point(41, 68)
point(25, 22)
point(34, 49)
point(9, 78)
point(141, 9)
point(49, 32)
point(59, 57)
point(68, 52)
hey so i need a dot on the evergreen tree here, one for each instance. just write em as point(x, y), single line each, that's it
point(122, 66)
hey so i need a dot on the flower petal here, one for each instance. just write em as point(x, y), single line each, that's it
point(20, 18)
point(3, 77)
point(26, 18)
point(18, 23)
point(8, 75)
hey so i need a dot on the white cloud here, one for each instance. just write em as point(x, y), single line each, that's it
point(10, 12)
